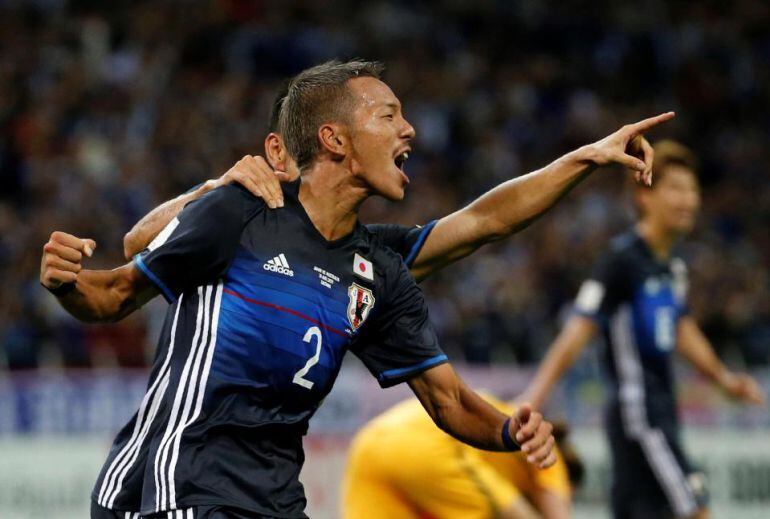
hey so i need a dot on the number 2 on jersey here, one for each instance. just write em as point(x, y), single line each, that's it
point(313, 331)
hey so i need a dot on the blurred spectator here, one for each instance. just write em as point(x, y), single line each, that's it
point(106, 111)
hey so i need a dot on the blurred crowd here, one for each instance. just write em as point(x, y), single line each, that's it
point(107, 109)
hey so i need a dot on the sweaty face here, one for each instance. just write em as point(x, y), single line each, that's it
point(675, 199)
point(379, 138)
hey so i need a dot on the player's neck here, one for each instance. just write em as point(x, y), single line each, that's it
point(331, 200)
point(659, 239)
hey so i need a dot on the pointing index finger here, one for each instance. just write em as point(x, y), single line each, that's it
point(646, 124)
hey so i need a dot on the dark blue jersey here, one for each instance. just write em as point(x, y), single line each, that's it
point(637, 300)
point(263, 311)
point(407, 241)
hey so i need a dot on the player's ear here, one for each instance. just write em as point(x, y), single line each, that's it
point(275, 151)
point(334, 140)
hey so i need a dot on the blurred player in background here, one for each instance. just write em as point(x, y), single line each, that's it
point(401, 466)
point(264, 306)
point(636, 298)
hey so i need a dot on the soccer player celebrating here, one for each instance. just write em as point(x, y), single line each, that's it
point(264, 305)
point(497, 214)
point(636, 298)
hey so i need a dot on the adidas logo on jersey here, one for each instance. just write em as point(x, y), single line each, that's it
point(279, 265)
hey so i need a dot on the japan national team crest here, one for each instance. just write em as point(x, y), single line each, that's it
point(360, 304)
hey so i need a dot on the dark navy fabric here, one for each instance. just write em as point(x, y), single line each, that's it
point(637, 488)
point(407, 241)
point(196, 512)
point(264, 310)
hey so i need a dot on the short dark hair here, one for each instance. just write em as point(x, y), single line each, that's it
point(672, 153)
point(316, 96)
point(275, 109)
point(667, 153)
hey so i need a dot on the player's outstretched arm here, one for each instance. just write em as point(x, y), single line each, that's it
point(561, 355)
point(460, 412)
point(695, 347)
point(515, 204)
point(252, 172)
point(90, 295)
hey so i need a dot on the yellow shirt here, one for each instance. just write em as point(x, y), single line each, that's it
point(401, 465)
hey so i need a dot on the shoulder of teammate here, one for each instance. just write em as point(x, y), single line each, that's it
point(399, 341)
point(405, 240)
point(238, 200)
point(608, 282)
point(197, 246)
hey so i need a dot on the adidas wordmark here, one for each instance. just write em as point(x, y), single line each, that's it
point(279, 265)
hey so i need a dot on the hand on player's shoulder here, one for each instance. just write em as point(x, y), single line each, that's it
point(255, 174)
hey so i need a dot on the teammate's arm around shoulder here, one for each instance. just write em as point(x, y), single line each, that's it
point(90, 295)
point(462, 413)
point(252, 172)
point(193, 250)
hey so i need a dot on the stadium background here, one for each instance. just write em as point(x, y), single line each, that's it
point(106, 110)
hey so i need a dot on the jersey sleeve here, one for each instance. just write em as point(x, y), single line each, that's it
point(197, 246)
point(604, 290)
point(405, 240)
point(400, 342)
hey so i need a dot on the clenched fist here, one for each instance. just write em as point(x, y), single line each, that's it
point(533, 433)
point(62, 257)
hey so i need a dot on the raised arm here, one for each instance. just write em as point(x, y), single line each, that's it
point(460, 412)
point(252, 172)
point(693, 345)
point(90, 295)
point(515, 204)
point(565, 349)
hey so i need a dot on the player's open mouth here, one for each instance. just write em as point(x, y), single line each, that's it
point(401, 159)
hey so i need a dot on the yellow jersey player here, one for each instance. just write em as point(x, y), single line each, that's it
point(400, 465)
